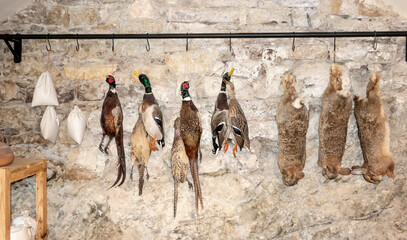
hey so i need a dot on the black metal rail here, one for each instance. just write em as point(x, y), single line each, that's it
point(17, 38)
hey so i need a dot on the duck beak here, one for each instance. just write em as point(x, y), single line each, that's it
point(231, 72)
point(136, 73)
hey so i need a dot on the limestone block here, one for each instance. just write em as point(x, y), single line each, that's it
point(299, 4)
point(231, 4)
point(141, 9)
point(92, 92)
point(268, 82)
point(300, 18)
point(262, 16)
point(8, 91)
point(57, 15)
point(91, 50)
point(142, 26)
point(312, 51)
point(83, 16)
point(199, 61)
point(210, 16)
point(89, 71)
point(77, 173)
point(312, 78)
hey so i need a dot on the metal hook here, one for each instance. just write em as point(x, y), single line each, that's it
point(148, 48)
point(293, 46)
point(113, 43)
point(375, 41)
point(49, 44)
point(187, 43)
point(77, 43)
point(230, 42)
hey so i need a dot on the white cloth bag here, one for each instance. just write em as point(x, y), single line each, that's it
point(44, 92)
point(23, 228)
point(76, 125)
point(50, 124)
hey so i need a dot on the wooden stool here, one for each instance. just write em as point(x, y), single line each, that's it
point(19, 169)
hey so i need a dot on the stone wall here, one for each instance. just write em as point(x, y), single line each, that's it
point(249, 202)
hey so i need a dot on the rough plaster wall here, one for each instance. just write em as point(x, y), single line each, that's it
point(240, 203)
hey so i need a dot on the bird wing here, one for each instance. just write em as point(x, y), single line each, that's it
point(239, 124)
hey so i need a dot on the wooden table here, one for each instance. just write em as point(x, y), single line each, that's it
point(19, 169)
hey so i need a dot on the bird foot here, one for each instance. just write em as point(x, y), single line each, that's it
point(226, 146)
point(153, 147)
point(101, 148)
point(234, 150)
point(190, 185)
point(105, 151)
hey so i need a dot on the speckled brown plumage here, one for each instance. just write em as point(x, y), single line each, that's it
point(111, 122)
point(292, 123)
point(333, 126)
point(140, 150)
point(179, 162)
point(237, 118)
point(374, 134)
point(191, 131)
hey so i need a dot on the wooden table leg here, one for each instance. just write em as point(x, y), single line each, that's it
point(41, 203)
point(5, 204)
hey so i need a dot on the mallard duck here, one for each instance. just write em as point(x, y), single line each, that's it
point(179, 162)
point(191, 131)
point(111, 121)
point(151, 114)
point(220, 124)
point(140, 150)
point(237, 119)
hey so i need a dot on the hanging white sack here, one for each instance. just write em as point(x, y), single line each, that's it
point(76, 125)
point(44, 92)
point(49, 124)
point(23, 228)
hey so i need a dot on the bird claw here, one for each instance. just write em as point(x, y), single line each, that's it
point(152, 144)
point(105, 151)
point(226, 146)
point(234, 150)
point(101, 148)
point(190, 186)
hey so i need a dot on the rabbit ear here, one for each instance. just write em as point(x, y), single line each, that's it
point(300, 175)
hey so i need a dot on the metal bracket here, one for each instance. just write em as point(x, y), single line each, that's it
point(16, 51)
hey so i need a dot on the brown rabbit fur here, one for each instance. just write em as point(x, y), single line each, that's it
point(333, 126)
point(292, 122)
point(374, 134)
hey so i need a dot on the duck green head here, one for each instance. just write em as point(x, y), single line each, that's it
point(145, 81)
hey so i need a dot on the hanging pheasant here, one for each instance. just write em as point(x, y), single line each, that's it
point(179, 162)
point(220, 123)
point(191, 131)
point(237, 118)
point(111, 122)
point(151, 114)
point(140, 151)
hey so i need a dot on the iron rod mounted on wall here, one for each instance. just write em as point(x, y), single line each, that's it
point(17, 38)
